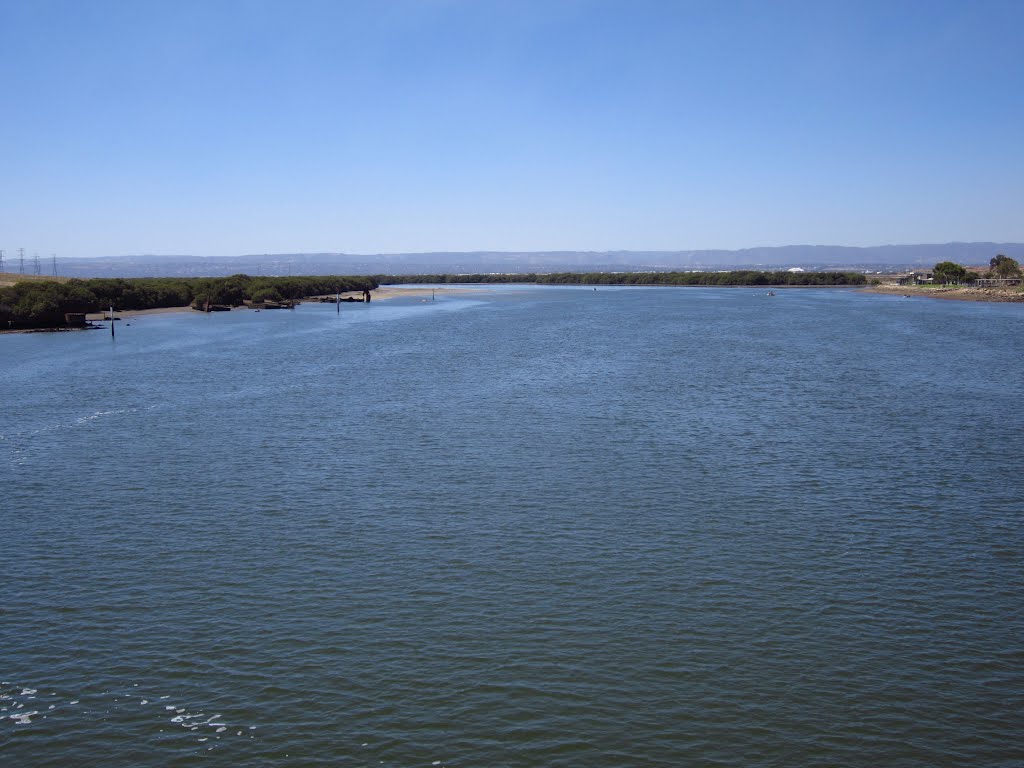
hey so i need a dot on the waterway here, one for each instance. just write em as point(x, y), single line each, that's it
point(518, 526)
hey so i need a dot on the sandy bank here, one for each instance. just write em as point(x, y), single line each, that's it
point(959, 293)
point(136, 312)
point(379, 294)
point(376, 295)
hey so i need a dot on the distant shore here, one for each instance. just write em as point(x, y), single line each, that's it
point(377, 294)
point(956, 293)
point(386, 292)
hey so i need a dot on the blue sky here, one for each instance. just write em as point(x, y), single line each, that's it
point(219, 127)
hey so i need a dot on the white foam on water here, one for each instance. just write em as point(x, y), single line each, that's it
point(15, 699)
point(99, 414)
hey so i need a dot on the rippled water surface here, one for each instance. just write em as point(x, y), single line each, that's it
point(518, 527)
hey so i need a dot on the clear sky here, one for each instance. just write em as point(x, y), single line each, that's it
point(222, 127)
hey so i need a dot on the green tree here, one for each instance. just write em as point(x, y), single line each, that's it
point(1004, 266)
point(949, 272)
point(261, 295)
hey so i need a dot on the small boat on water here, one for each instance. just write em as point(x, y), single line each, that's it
point(771, 293)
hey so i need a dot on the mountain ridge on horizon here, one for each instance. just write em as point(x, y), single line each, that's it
point(811, 257)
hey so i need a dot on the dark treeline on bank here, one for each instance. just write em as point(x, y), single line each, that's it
point(736, 278)
point(43, 304)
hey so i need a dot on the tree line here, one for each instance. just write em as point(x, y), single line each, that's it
point(41, 304)
point(1000, 266)
point(746, 277)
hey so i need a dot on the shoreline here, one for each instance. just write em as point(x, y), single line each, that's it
point(377, 294)
point(958, 293)
point(383, 293)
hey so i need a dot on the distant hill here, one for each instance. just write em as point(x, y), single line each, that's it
point(811, 257)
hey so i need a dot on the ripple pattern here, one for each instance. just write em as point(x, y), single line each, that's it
point(541, 527)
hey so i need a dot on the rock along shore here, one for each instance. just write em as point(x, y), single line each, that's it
point(957, 293)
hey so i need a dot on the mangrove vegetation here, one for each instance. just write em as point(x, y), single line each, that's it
point(44, 304)
point(735, 278)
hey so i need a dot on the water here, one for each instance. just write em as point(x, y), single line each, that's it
point(518, 527)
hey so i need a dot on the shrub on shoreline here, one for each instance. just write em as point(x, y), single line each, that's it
point(745, 277)
point(40, 304)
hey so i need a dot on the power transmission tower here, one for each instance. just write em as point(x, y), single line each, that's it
point(54, 264)
point(21, 260)
point(35, 263)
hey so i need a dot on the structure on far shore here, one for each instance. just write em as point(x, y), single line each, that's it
point(996, 282)
point(918, 277)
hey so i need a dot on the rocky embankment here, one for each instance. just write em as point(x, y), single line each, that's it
point(959, 293)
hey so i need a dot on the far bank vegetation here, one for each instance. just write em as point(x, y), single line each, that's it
point(1000, 268)
point(44, 304)
point(735, 278)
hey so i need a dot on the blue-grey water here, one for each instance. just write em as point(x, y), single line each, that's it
point(520, 526)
